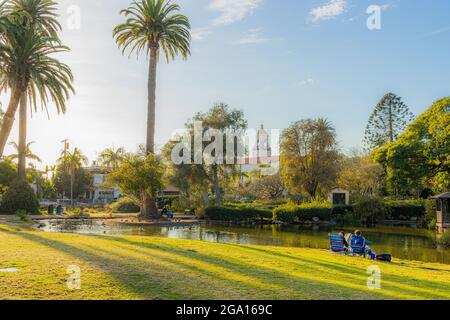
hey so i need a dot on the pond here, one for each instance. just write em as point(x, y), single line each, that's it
point(402, 242)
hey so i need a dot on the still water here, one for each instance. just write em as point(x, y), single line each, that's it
point(401, 242)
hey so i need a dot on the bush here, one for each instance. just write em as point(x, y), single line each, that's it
point(19, 196)
point(305, 212)
point(444, 240)
point(370, 209)
point(406, 209)
point(429, 219)
point(342, 210)
point(22, 215)
point(236, 214)
point(125, 205)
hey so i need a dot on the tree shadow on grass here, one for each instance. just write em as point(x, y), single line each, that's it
point(394, 282)
point(125, 273)
point(295, 283)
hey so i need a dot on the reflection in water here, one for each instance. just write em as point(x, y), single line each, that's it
point(402, 243)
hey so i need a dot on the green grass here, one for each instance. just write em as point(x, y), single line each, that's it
point(132, 267)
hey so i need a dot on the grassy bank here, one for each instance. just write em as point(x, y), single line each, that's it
point(130, 267)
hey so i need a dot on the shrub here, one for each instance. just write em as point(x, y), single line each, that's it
point(444, 239)
point(370, 209)
point(19, 196)
point(125, 205)
point(428, 220)
point(22, 215)
point(342, 210)
point(406, 209)
point(305, 212)
point(236, 214)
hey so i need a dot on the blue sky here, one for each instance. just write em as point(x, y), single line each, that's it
point(277, 60)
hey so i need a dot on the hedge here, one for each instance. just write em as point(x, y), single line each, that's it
point(236, 214)
point(306, 212)
point(405, 209)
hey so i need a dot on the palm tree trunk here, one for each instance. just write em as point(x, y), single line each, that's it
point(22, 136)
point(150, 209)
point(72, 178)
point(8, 119)
point(151, 112)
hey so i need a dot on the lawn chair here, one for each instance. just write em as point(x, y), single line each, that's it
point(358, 245)
point(337, 244)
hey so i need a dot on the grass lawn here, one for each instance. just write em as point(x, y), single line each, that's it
point(131, 267)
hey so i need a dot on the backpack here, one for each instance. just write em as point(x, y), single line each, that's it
point(384, 257)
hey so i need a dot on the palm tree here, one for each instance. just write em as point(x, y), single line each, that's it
point(27, 68)
point(152, 25)
point(111, 158)
point(28, 153)
point(73, 161)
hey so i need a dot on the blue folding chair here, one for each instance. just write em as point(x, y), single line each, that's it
point(337, 244)
point(358, 245)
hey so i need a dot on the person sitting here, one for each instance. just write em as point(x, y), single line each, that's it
point(342, 234)
point(338, 244)
point(358, 244)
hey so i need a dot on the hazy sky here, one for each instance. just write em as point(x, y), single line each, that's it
point(277, 60)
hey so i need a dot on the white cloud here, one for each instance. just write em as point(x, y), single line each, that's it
point(233, 10)
point(254, 36)
point(200, 33)
point(330, 10)
point(309, 81)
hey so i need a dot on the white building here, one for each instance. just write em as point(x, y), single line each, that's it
point(99, 192)
point(261, 159)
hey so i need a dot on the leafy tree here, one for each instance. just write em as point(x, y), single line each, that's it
point(153, 26)
point(387, 122)
point(78, 184)
point(420, 157)
point(139, 174)
point(111, 158)
point(309, 156)
point(213, 173)
point(27, 68)
point(359, 174)
point(8, 173)
point(268, 187)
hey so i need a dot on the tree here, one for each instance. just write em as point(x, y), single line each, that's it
point(73, 161)
point(309, 156)
point(27, 68)
point(361, 175)
point(420, 157)
point(28, 153)
point(387, 122)
point(8, 173)
point(214, 171)
point(111, 158)
point(151, 26)
point(268, 187)
point(139, 175)
point(78, 184)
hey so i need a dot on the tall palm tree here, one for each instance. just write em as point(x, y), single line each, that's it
point(111, 158)
point(151, 26)
point(27, 68)
point(28, 153)
point(73, 160)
